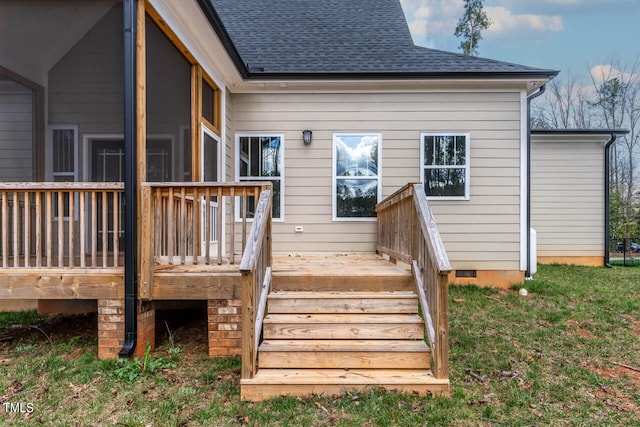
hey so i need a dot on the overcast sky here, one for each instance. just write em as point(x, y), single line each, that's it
point(563, 35)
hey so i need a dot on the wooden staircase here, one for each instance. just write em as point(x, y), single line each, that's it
point(331, 341)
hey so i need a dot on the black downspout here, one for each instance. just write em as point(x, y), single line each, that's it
point(130, 232)
point(531, 97)
point(607, 197)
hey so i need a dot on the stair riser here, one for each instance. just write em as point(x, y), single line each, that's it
point(342, 305)
point(349, 360)
point(342, 283)
point(350, 331)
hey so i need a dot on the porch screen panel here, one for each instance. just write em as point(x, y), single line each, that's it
point(168, 109)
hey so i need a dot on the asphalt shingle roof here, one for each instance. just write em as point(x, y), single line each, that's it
point(340, 37)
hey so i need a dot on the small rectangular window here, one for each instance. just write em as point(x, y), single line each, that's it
point(210, 102)
point(444, 167)
point(260, 158)
point(64, 149)
point(356, 176)
point(64, 160)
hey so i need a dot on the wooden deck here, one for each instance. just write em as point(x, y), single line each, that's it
point(352, 317)
point(338, 271)
point(341, 322)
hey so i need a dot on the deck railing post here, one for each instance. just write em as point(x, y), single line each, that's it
point(147, 242)
point(248, 326)
point(441, 356)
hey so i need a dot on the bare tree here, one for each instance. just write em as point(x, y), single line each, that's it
point(617, 100)
point(611, 101)
point(565, 105)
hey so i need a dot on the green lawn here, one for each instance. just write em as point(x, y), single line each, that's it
point(555, 357)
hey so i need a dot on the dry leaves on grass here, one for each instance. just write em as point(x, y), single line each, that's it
point(614, 398)
point(15, 388)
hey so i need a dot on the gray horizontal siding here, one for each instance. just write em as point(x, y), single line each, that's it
point(481, 233)
point(567, 196)
point(16, 132)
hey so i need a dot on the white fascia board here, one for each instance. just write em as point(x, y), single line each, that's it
point(380, 85)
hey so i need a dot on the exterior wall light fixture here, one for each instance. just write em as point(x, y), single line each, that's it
point(306, 136)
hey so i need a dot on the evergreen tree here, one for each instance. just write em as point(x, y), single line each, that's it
point(470, 26)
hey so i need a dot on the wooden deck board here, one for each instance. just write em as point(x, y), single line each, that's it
point(342, 302)
point(344, 376)
point(344, 359)
point(65, 283)
point(341, 272)
point(269, 383)
point(352, 354)
point(344, 345)
point(333, 319)
point(201, 285)
point(335, 264)
point(343, 326)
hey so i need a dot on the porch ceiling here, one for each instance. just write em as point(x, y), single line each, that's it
point(36, 34)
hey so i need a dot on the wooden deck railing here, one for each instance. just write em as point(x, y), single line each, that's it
point(407, 232)
point(194, 224)
point(256, 282)
point(56, 225)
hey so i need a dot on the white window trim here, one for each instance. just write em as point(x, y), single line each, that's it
point(75, 150)
point(334, 208)
point(467, 167)
point(281, 178)
point(205, 130)
point(53, 174)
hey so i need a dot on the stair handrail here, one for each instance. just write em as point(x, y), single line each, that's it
point(255, 268)
point(407, 231)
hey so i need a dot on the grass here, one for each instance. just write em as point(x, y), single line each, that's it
point(553, 358)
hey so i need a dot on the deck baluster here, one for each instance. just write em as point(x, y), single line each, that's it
point(5, 229)
point(83, 224)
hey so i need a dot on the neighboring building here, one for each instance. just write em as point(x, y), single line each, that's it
point(568, 186)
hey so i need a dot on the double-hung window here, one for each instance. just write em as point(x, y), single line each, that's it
point(260, 158)
point(444, 171)
point(356, 176)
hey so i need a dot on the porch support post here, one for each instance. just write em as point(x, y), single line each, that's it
point(130, 181)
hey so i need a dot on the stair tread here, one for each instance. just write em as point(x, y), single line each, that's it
point(341, 294)
point(344, 345)
point(344, 376)
point(341, 319)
